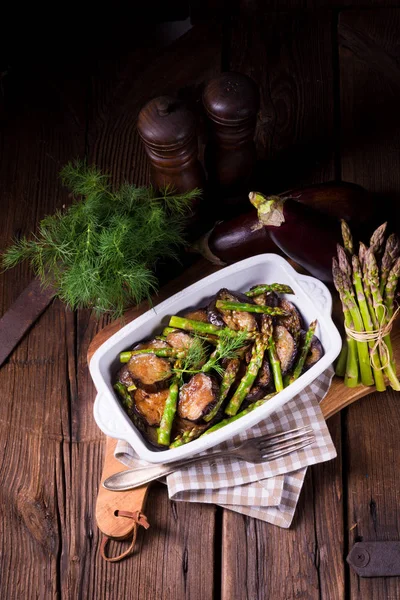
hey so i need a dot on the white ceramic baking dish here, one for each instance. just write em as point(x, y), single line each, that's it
point(312, 298)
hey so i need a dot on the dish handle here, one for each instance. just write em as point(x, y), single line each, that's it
point(318, 292)
point(110, 421)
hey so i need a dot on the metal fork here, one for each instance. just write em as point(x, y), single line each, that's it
point(256, 450)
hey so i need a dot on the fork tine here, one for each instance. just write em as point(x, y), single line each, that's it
point(290, 444)
point(269, 443)
point(267, 436)
point(284, 451)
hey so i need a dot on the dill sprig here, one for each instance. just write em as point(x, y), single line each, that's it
point(195, 356)
point(100, 252)
point(228, 347)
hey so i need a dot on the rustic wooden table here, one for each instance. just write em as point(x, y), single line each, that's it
point(330, 84)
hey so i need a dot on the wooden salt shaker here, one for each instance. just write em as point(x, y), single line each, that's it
point(231, 102)
point(168, 131)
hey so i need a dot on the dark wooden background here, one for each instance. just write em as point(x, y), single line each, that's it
point(72, 85)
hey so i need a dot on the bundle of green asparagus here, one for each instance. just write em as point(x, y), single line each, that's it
point(366, 282)
point(212, 366)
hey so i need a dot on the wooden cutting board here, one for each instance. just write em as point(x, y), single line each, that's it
point(109, 503)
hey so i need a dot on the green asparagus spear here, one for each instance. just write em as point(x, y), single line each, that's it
point(344, 264)
point(373, 277)
point(267, 331)
point(251, 308)
point(347, 238)
point(186, 437)
point(351, 378)
point(124, 395)
point(367, 289)
point(244, 412)
point(340, 367)
point(206, 336)
point(298, 368)
point(279, 288)
point(391, 286)
point(248, 379)
point(125, 357)
point(164, 430)
point(347, 364)
point(368, 324)
point(200, 327)
point(377, 240)
point(392, 252)
point(226, 383)
point(343, 286)
point(362, 250)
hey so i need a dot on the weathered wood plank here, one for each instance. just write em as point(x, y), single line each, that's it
point(178, 549)
point(290, 57)
point(180, 69)
point(370, 85)
point(202, 10)
point(43, 126)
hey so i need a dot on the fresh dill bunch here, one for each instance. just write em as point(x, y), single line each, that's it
point(100, 253)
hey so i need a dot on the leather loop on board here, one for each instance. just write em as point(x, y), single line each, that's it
point(140, 519)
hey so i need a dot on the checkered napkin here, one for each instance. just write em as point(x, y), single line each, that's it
point(268, 491)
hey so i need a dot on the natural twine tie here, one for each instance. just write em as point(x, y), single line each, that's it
point(378, 336)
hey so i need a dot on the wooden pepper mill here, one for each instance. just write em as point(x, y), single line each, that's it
point(231, 102)
point(168, 130)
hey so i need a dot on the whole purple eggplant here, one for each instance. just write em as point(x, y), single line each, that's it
point(302, 233)
point(244, 235)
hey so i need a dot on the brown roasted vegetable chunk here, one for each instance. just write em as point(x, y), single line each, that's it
point(232, 318)
point(148, 369)
point(316, 352)
point(179, 340)
point(197, 397)
point(124, 376)
point(150, 406)
point(261, 384)
point(293, 321)
point(286, 348)
point(267, 299)
point(154, 343)
point(181, 425)
point(197, 315)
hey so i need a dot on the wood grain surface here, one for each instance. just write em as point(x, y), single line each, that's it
point(330, 86)
point(295, 141)
point(370, 77)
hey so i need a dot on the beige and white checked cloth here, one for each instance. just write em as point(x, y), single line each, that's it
point(268, 491)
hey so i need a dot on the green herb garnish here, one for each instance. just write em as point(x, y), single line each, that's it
point(100, 252)
point(228, 347)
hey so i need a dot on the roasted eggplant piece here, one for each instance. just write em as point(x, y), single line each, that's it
point(124, 376)
point(286, 348)
point(316, 351)
point(232, 318)
point(179, 340)
point(197, 397)
point(261, 384)
point(197, 315)
point(150, 406)
point(149, 370)
point(268, 299)
point(293, 321)
point(148, 432)
point(154, 343)
point(180, 426)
